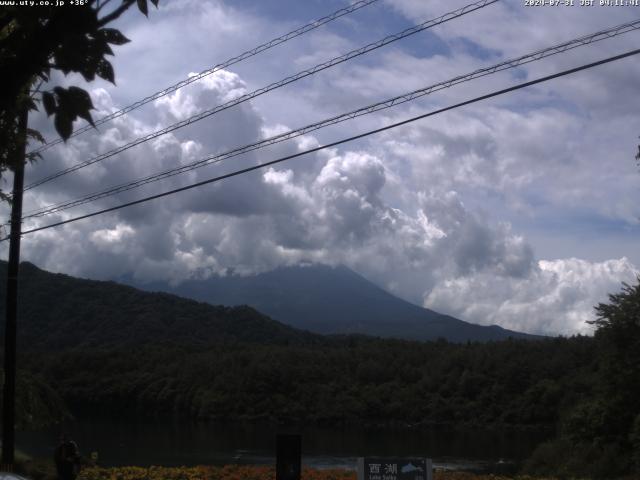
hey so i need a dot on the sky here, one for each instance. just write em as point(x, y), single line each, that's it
point(522, 210)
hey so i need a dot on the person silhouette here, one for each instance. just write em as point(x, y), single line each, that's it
point(67, 458)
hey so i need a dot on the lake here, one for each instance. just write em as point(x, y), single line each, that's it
point(175, 443)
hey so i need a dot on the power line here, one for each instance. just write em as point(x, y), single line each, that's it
point(335, 61)
point(216, 158)
point(336, 143)
point(227, 63)
point(293, 78)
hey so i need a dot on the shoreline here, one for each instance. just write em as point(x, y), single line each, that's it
point(46, 471)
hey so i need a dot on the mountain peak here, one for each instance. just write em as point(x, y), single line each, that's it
point(332, 300)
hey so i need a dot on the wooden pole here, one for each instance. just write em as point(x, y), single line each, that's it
point(9, 390)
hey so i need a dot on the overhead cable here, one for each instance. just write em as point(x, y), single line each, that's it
point(227, 63)
point(333, 144)
point(261, 91)
point(217, 158)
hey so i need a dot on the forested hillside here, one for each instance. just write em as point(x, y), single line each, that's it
point(347, 379)
point(111, 348)
point(59, 312)
point(101, 348)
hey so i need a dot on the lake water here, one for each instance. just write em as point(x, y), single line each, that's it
point(174, 443)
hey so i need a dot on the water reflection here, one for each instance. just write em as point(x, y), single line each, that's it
point(174, 443)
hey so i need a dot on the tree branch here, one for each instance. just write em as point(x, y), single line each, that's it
point(102, 5)
point(37, 89)
point(115, 14)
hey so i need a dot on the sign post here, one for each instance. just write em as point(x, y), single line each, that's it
point(395, 468)
point(288, 457)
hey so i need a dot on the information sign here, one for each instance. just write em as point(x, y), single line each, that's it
point(395, 469)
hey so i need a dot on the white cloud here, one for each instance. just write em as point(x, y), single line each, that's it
point(437, 211)
point(113, 236)
point(557, 297)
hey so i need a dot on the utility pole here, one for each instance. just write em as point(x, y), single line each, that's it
point(9, 390)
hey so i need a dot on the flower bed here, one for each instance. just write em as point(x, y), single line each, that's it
point(241, 472)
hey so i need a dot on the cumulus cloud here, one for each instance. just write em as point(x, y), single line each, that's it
point(556, 297)
point(438, 212)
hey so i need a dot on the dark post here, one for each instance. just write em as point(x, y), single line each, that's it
point(9, 391)
point(288, 457)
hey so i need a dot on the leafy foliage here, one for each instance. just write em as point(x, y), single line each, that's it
point(566, 459)
point(36, 40)
point(343, 380)
point(600, 436)
point(38, 404)
point(634, 438)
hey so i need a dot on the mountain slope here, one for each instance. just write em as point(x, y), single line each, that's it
point(59, 312)
point(330, 300)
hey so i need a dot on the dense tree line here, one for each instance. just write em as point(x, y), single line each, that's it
point(600, 435)
point(38, 404)
point(346, 379)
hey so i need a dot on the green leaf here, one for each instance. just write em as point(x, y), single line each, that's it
point(73, 102)
point(71, 55)
point(105, 70)
point(80, 99)
point(155, 3)
point(33, 156)
point(107, 49)
point(49, 102)
point(87, 116)
point(88, 73)
point(111, 35)
point(36, 135)
point(63, 124)
point(142, 5)
point(78, 104)
point(30, 104)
